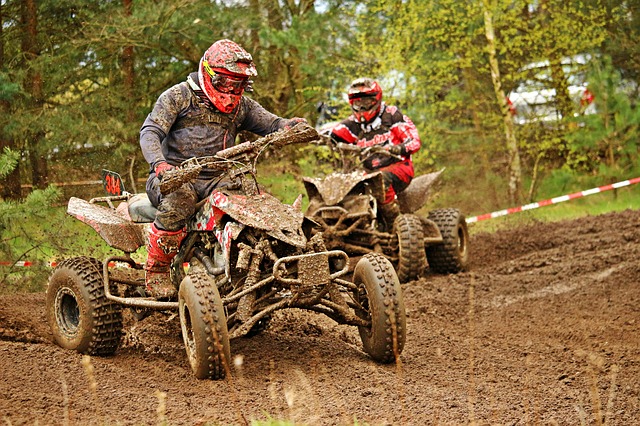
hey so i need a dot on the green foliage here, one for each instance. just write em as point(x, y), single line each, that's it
point(8, 89)
point(25, 231)
point(8, 161)
point(35, 231)
point(615, 200)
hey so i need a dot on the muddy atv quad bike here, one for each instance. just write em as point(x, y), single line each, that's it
point(346, 205)
point(246, 255)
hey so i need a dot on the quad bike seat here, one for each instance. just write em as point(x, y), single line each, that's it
point(141, 210)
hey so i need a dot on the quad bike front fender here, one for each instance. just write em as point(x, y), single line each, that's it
point(261, 211)
point(118, 232)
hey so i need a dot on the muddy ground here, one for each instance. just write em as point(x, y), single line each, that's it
point(544, 329)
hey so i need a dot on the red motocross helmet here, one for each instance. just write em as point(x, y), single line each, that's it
point(365, 98)
point(224, 73)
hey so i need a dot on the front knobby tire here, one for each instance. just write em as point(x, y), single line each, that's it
point(452, 255)
point(204, 324)
point(79, 314)
point(380, 297)
point(411, 254)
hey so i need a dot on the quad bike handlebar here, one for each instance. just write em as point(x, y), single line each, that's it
point(353, 156)
point(236, 160)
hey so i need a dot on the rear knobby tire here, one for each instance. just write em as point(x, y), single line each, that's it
point(204, 324)
point(380, 296)
point(411, 255)
point(451, 256)
point(79, 314)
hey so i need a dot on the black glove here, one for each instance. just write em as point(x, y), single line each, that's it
point(398, 150)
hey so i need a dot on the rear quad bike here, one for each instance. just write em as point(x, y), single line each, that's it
point(245, 256)
point(346, 205)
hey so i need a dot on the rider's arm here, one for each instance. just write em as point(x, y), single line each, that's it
point(405, 135)
point(342, 133)
point(158, 123)
point(262, 122)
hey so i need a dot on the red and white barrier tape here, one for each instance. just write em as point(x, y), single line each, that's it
point(555, 200)
point(23, 263)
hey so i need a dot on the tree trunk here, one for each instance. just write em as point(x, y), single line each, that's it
point(34, 87)
point(564, 104)
point(129, 80)
point(514, 167)
point(11, 182)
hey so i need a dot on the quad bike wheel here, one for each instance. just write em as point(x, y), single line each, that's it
point(204, 324)
point(80, 316)
point(451, 256)
point(411, 255)
point(380, 296)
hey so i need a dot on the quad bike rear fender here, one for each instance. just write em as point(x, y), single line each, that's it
point(417, 193)
point(118, 232)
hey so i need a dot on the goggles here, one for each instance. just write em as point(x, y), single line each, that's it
point(226, 83)
point(362, 103)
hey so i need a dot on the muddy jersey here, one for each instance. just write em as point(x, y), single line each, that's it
point(183, 125)
point(390, 127)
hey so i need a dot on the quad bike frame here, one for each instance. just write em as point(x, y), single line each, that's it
point(246, 254)
point(346, 205)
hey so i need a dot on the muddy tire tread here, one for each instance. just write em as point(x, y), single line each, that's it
point(389, 309)
point(214, 318)
point(105, 321)
point(448, 258)
point(412, 258)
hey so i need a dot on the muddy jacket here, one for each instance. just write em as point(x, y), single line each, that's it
point(389, 127)
point(183, 125)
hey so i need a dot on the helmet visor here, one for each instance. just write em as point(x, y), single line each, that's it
point(224, 83)
point(227, 84)
point(362, 103)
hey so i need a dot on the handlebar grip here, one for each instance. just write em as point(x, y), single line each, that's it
point(174, 179)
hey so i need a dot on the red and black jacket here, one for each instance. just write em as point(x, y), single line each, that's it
point(390, 127)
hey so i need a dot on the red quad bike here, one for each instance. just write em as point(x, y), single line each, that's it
point(346, 205)
point(246, 256)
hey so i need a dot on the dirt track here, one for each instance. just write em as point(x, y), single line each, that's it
point(543, 330)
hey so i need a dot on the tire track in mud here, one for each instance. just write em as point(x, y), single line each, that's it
point(553, 289)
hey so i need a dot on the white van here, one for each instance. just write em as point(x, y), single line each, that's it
point(534, 98)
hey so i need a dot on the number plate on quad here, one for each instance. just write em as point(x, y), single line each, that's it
point(314, 270)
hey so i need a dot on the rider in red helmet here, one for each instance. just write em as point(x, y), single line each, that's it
point(375, 123)
point(365, 98)
point(196, 118)
point(224, 74)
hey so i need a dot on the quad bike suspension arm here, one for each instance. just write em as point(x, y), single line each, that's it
point(140, 302)
point(333, 230)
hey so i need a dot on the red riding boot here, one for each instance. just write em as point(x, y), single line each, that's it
point(161, 248)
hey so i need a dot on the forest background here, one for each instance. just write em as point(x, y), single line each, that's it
point(77, 79)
